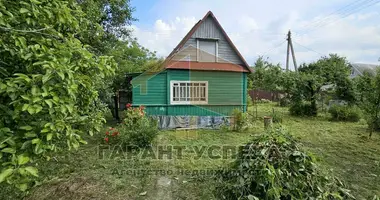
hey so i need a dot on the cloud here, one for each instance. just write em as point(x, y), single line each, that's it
point(164, 35)
point(260, 28)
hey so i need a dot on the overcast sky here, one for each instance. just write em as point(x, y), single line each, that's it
point(259, 27)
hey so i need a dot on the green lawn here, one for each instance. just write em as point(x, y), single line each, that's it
point(342, 148)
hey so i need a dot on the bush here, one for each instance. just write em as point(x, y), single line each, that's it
point(302, 109)
point(277, 117)
point(238, 118)
point(284, 102)
point(249, 101)
point(373, 123)
point(136, 129)
point(345, 113)
point(377, 125)
point(272, 166)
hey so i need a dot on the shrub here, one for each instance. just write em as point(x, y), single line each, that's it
point(137, 129)
point(373, 123)
point(111, 136)
point(377, 125)
point(345, 113)
point(272, 166)
point(239, 120)
point(302, 109)
point(284, 102)
point(277, 117)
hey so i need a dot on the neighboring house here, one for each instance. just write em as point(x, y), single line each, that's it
point(205, 75)
point(358, 69)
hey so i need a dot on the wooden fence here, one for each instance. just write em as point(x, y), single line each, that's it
point(262, 94)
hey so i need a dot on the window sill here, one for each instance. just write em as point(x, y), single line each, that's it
point(188, 103)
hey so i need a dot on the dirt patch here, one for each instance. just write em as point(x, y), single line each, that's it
point(75, 188)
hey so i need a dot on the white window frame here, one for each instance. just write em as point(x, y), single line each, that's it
point(187, 102)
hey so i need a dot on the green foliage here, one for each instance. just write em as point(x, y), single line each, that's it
point(112, 136)
point(273, 166)
point(345, 113)
point(345, 90)
point(249, 101)
point(302, 109)
point(48, 84)
point(277, 117)
point(238, 120)
point(108, 34)
point(332, 70)
point(137, 129)
point(263, 101)
point(284, 102)
point(109, 21)
point(368, 87)
point(266, 76)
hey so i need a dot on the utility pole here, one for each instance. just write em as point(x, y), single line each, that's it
point(290, 46)
point(287, 52)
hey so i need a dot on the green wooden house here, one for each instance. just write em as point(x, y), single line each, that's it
point(205, 75)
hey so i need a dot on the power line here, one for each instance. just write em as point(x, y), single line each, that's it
point(329, 20)
point(344, 8)
point(275, 47)
point(308, 48)
point(371, 2)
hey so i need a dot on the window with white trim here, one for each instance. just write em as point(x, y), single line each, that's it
point(188, 92)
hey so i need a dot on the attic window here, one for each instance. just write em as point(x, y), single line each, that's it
point(207, 50)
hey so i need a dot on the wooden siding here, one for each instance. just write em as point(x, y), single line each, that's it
point(149, 89)
point(190, 54)
point(208, 29)
point(224, 88)
point(226, 91)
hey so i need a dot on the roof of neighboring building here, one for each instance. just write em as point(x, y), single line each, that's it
point(362, 67)
point(209, 66)
point(192, 31)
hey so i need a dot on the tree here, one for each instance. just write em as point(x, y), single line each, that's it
point(108, 34)
point(109, 20)
point(266, 76)
point(368, 87)
point(332, 70)
point(48, 84)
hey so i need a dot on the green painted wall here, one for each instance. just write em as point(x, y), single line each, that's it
point(149, 89)
point(226, 91)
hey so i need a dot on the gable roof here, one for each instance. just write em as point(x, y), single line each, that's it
point(192, 31)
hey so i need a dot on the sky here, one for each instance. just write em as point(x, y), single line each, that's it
point(350, 28)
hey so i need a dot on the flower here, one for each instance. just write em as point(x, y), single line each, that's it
point(142, 107)
point(115, 133)
point(128, 105)
point(107, 133)
point(111, 128)
point(106, 139)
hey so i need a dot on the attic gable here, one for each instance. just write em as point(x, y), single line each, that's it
point(208, 29)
